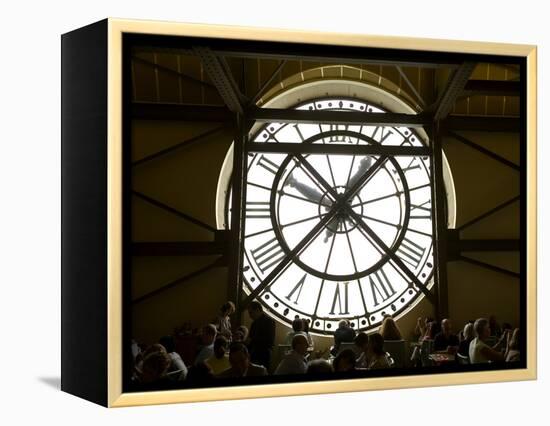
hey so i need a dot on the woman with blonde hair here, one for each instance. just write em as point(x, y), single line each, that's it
point(223, 322)
point(389, 329)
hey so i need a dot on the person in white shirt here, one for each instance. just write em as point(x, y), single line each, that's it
point(479, 351)
point(207, 338)
point(294, 362)
point(223, 321)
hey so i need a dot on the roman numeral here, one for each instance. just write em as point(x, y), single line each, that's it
point(297, 288)
point(297, 128)
point(268, 254)
point(267, 164)
point(410, 252)
point(381, 287)
point(409, 167)
point(423, 209)
point(383, 136)
point(339, 138)
point(257, 209)
point(338, 299)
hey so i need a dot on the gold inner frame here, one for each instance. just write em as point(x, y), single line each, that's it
point(116, 28)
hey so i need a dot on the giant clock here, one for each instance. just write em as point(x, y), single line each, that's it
point(337, 236)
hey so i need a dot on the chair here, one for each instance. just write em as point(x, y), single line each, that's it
point(462, 359)
point(398, 349)
point(347, 345)
point(176, 375)
point(391, 361)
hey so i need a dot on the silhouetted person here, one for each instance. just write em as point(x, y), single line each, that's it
point(344, 361)
point(343, 334)
point(297, 328)
point(207, 339)
point(223, 322)
point(294, 362)
point(445, 340)
point(220, 360)
point(319, 366)
point(240, 363)
point(389, 329)
point(262, 335)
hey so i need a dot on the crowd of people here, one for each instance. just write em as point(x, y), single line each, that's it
point(221, 351)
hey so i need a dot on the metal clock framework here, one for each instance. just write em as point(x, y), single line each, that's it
point(330, 232)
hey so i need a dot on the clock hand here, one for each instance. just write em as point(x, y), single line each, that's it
point(310, 193)
point(364, 165)
point(313, 195)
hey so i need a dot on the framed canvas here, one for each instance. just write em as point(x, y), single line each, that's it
point(253, 212)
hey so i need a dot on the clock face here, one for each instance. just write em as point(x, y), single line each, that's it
point(337, 236)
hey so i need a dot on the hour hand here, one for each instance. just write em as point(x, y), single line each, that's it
point(310, 193)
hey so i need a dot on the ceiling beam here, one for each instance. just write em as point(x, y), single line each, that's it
point(455, 86)
point(482, 124)
point(307, 55)
point(267, 115)
point(219, 72)
point(492, 88)
point(337, 149)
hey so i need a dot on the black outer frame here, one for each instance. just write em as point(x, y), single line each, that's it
point(84, 212)
point(84, 331)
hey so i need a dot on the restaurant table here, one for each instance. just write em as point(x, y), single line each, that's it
point(442, 358)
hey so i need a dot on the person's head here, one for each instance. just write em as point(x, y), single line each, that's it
point(375, 344)
point(240, 334)
point(319, 366)
point(298, 325)
point(343, 324)
point(239, 358)
point(228, 308)
point(482, 328)
point(255, 309)
point(155, 347)
point(344, 361)
point(361, 340)
point(220, 347)
point(306, 324)
point(468, 331)
point(300, 344)
point(208, 336)
point(155, 365)
point(168, 343)
point(446, 327)
point(389, 329)
point(492, 321)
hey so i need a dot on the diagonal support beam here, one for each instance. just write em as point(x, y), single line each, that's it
point(179, 145)
point(174, 211)
point(488, 213)
point(489, 266)
point(267, 83)
point(485, 151)
point(218, 263)
point(219, 72)
point(453, 90)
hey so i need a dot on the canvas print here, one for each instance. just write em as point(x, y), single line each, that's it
point(297, 212)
